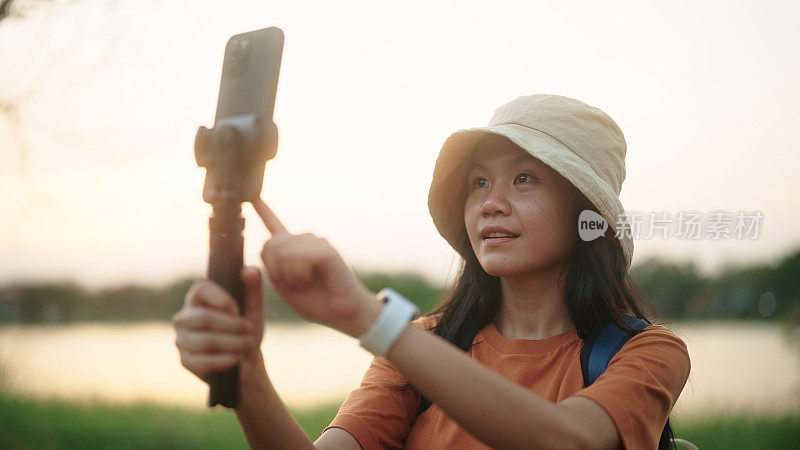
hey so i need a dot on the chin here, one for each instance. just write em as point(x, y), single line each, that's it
point(501, 273)
point(503, 268)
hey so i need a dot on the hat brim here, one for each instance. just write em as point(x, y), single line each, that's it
point(447, 193)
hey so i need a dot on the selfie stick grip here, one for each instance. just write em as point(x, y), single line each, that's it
point(225, 262)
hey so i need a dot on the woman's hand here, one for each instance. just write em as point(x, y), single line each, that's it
point(310, 275)
point(212, 336)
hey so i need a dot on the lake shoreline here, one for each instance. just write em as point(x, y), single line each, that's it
point(736, 365)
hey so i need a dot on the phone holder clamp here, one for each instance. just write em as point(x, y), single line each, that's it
point(234, 154)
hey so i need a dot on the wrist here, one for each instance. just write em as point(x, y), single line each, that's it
point(253, 371)
point(367, 314)
point(393, 319)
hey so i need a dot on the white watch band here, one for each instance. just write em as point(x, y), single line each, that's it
point(392, 321)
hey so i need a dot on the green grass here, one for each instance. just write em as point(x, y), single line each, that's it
point(738, 430)
point(27, 423)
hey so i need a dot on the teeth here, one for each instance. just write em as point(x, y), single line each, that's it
point(499, 235)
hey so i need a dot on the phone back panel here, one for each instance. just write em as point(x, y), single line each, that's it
point(250, 74)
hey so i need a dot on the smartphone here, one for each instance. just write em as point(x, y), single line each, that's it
point(250, 74)
point(246, 103)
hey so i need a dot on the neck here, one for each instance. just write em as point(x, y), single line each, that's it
point(532, 307)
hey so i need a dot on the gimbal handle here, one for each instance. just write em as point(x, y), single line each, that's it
point(234, 153)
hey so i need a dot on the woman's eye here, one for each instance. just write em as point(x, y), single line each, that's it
point(480, 182)
point(523, 178)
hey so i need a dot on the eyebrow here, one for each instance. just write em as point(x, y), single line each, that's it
point(517, 160)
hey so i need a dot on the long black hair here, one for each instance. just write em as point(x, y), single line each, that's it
point(597, 288)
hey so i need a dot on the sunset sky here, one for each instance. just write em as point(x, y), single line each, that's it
point(99, 183)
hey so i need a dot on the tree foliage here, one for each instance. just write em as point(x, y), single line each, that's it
point(678, 290)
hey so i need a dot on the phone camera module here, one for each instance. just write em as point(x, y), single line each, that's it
point(237, 56)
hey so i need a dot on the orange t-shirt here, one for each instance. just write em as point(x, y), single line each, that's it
point(637, 390)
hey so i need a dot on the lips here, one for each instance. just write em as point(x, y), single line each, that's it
point(497, 234)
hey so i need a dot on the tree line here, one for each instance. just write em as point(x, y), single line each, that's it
point(678, 290)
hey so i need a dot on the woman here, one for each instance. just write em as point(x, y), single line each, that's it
point(496, 364)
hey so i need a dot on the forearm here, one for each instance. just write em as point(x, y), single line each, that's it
point(496, 410)
point(266, 421)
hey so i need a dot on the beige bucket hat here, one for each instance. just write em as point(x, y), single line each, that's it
point(579, 141)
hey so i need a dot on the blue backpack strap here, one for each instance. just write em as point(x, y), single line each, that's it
point(602, 344)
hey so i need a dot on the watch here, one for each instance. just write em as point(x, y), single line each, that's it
point(395, 316)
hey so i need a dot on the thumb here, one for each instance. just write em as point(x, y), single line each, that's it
point(253, 296)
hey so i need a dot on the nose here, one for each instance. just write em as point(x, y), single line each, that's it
point(495, 203)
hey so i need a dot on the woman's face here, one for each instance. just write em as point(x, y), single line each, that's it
point(520, 214)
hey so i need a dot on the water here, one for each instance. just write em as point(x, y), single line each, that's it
point(739, 366)
point(734, 365)
point(140, 361)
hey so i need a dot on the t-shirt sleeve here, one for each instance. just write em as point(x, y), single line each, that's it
point(641, 385)
point(377, 416)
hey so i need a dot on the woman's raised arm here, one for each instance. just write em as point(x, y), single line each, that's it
point(313, 279)
point(266, 421)
point(496, 410)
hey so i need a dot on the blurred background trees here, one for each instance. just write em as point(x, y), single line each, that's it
point(678, 290)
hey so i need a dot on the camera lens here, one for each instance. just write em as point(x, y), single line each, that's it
point(236, 56)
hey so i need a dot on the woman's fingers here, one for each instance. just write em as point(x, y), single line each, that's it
point(270, 261)
point(204, 342)
point(208, 293)
point(202, 364)
point(271, 221)
point(292, 259)
point(202, 318)
point(289, 259)
point(211, 336)
point(299, 263)
point(253, 299)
